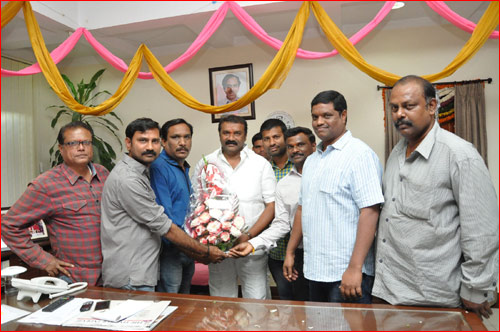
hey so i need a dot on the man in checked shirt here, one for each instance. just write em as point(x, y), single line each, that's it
point(68, 199)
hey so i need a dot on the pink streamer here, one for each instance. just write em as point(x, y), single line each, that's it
point(257, 30)
point(57, 55)
point(212, 25)
point(442, 9)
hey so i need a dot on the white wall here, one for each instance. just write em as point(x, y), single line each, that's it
point(411, 51)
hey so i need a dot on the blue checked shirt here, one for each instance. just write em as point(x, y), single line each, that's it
point(336, 184)
point(279, 252)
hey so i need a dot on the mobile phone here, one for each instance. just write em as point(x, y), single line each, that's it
point(101, 305)
point(86, 306)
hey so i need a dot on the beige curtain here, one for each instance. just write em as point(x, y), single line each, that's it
point(470, 116)
point(392, 136)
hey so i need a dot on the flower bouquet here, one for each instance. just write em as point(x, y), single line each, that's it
point(214, 215)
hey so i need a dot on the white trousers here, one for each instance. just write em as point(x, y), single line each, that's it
point(251, 271)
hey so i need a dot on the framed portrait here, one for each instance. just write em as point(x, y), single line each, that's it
point(38, 230)
point(228, 84)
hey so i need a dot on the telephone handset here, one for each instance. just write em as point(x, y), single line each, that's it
point(47, 285)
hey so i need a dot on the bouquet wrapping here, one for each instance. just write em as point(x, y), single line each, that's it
point(214, 215)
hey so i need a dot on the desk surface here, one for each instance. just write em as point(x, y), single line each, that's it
point(198, 312)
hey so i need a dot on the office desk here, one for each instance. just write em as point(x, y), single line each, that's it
point(197, 312)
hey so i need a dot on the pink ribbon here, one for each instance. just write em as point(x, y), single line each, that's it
point(442, 9)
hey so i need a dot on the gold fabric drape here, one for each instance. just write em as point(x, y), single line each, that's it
point(272, 78)
point(486, 25)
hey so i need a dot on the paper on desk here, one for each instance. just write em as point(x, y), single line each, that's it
point(58, 316)
point(143, 320)
point(122, 311)
point(10, 313)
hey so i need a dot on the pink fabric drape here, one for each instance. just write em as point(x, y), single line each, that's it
point(442, 9)
point(57, 55)
point(252, 26)
point(212, 25)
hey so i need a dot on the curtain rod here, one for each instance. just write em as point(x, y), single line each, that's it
point(489, 80)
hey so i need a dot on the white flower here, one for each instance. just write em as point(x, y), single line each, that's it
point(200, 230)
point(204, 218)
point(226, 225)
point(214, 227)
point(239, 222)
point(224, 236)
point(195, 222)
point(212, 239)
point(215, 213)
point(235, 232)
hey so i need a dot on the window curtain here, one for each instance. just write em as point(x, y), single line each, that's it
point(392, 136)
point(470, 116)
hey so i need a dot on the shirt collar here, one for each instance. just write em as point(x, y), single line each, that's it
point(425, 147)
point(273, 164)
point(338, 145)
point(244, 153)
point(294, 171)
point(135, 165)
point(72, 176)
point(172, 161)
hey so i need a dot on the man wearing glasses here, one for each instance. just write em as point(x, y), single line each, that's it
point(68, 199)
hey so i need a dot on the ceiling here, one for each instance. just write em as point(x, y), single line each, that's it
point(170, 27)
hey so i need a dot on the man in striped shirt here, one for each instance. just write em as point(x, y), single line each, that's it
point(67, 198)
point(437, 241)
point(338, 209)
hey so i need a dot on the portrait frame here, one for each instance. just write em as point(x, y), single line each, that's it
point(38, 230)
point(219, 97)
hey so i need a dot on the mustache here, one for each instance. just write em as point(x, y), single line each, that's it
point(297, 154)
point(403, 122)
point(149, 152)
point(230, 142)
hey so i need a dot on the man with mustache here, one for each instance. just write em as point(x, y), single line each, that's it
point(231, 85)
point(171, 184)
point(251, 178)
point(133, 223)
point(67, 198)
point(338, 209)
point(437, 240)
point(300, 143)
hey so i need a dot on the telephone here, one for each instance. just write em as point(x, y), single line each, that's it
point(35, 287)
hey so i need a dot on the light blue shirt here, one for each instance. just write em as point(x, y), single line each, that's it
point(336, 184)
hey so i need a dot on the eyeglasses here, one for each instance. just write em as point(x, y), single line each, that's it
point(74, 144)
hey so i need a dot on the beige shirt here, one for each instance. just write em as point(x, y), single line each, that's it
point(437, 237)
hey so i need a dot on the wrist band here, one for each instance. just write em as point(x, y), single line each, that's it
point(248, 234)
point(208, 251)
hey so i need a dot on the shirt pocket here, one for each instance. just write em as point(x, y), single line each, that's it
point(415, 201)
point(74, 208)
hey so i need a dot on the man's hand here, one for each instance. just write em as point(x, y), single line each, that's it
point(350, 287)
point(289, 271)
point(242, 239)
point(56, 266)
point(241, 250)
point(215, 255)
point(480, 309)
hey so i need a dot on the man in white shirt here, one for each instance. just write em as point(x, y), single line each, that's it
point(251, 177)
point(300, 143)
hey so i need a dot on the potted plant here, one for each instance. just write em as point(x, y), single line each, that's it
point(84, 94)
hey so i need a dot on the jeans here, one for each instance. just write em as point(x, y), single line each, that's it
point(297, 290)
point(176, 271)
point(330, 291)
point(139, 288)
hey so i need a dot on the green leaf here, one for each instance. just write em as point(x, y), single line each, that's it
point(70, 84)
point(116, 116)
point(58, 115)
point(111, 152)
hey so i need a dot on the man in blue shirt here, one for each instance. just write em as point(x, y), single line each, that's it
point(172, 186)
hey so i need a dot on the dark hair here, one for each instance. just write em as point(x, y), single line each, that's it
point(300, 130)
point(330, 96)
point(227, 77)
point(166, 126)
point(271, 123)
point(256, 137)
point(233, 119)
point(73, 125)
point(141, 125)
point(427, 87)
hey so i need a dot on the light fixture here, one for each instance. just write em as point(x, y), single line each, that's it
point(398, 4)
